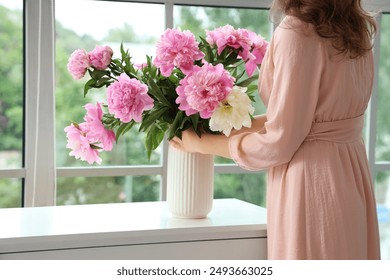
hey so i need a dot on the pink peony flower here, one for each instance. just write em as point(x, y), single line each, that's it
point(203, 89)
point(227, 36)
point(260, 46)
point(128, 98)
point(177, 49)
point(94, 128)
point(251, 46)
point(80, 145)
point(140, 66)
point(78, 64)
point(87, 139)
point(100, 57)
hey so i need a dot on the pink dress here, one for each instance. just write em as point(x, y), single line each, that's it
point(320, 198)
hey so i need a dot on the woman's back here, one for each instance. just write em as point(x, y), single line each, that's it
point(320, 199)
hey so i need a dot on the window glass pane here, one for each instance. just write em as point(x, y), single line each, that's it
point(382, 192)
point(11, 83)
point(91, 190)
point(101, 23)
point(248, 187)
point(199, 19)
point(10, 193)
point(383, 127)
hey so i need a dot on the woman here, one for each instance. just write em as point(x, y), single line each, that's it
point(316, 82)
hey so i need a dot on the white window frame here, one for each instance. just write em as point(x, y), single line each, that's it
point(40, 171)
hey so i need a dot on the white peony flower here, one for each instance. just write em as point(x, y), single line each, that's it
point(233, 112)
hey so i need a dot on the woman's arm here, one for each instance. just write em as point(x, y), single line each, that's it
point(213, 144)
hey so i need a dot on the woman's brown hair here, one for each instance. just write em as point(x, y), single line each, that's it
point(344, 22)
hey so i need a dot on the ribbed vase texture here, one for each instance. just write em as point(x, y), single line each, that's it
point(190, 184)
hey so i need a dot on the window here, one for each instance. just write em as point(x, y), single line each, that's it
point(382, 192)
point(140, 39)
point(382, 151)
point(107, 23)
point(34, 163)
point(11, 103)
point(382, 137)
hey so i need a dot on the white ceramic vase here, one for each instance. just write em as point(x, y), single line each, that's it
point(190, 184)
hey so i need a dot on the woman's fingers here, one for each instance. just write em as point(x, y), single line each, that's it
point(176, 142)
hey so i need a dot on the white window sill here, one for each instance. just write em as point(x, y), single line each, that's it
point(133, 231)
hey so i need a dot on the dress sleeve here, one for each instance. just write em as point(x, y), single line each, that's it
point(297, 59)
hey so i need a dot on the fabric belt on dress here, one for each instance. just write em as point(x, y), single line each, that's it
point(342, 131)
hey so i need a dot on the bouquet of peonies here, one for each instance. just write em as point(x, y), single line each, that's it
point(205, 85)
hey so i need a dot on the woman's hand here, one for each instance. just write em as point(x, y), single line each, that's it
point(210, 143)
point(189, 142)
point(206, 144)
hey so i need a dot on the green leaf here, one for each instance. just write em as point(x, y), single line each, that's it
point(232, 58)
point(151, 117)
point(251, 88)
point(175, 80)
point(102, 82)
point(223, 54)
point(149, 145)
point(203, 40)
point(125, 55)
point(195, 121)
point(123, 128)
point(209, 55)
point(88, 85)
point(205, 47)
point(238, 77)
point(247, 81)
point(98, 74)
point(76, 125)
point(95, 147)
point(153, 139)
point(157, 93)
point(116, 72)
point(117, 62)
point(123, 52)
point(110, 121)
point(177, 122)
